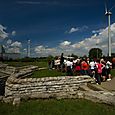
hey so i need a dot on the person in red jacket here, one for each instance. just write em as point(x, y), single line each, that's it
point(78, 67)
point(84, 67)
point(98, 72)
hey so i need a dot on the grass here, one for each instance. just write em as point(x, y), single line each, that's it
point(113, 72)
point(47, 73)
point(19, 64)
point(57, 107)
point(55, 73)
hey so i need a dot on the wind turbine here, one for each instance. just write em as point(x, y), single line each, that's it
point(28, 48)
point(108, 13)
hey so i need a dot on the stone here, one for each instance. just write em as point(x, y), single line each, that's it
point(8, 99)
point(80, 95)
point(49, 87)
point(16, 101)
point(99, 97)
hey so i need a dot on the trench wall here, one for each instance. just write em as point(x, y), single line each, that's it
point(49, 87)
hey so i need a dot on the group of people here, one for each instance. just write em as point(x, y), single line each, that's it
point(98, 69)
point(101, 70)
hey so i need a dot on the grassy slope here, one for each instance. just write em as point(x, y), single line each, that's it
point(57, 107)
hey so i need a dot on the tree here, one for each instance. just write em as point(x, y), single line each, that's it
point(2, 52)
point(2, 49)
point(73, 55)
point(50, 57)
point(95, 53)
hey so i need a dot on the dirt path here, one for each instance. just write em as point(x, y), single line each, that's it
point(109, 85)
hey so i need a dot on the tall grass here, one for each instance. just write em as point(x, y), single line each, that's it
point(57, 107)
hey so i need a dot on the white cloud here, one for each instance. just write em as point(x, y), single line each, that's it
point(39, 49)
point(73, 30)
point(14, 47)
point(13, 50)
point(65, 43)
point(44, 51)
point(76, 29)
point(16, 44)
point(10, 47)
point(97, 31)
point(98, 39)
point(9, 41)
point(13, 33)
point(3, 34)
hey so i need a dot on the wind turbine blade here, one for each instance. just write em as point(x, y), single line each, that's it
point(112, 7)
point(105, 7)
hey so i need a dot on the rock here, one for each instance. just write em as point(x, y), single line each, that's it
point(100, 97)
point(16, 101)
point(8, 99)
point(80, 95)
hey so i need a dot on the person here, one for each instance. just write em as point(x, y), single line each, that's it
point(92, 68)
point(84, 67)
point(52, 63)
point(57, 63)
point(78, 67)
point(104, 73)
point(49, 64)
point(98, 71)
point(108, 70)
point(69, 65)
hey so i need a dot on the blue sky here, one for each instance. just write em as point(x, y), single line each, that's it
point(55, 26)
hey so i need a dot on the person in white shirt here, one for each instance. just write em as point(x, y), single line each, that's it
point(57, 63)
point(92, 67)
point(108, 67)
point(69, 66)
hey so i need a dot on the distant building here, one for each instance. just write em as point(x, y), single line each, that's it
point(8, 56)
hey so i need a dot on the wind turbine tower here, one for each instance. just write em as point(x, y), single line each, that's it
point(108, 13)
point(28, 49)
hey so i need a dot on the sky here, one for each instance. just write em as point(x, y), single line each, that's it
point(56, 26)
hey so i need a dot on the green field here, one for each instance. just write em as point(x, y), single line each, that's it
point(57, 107)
